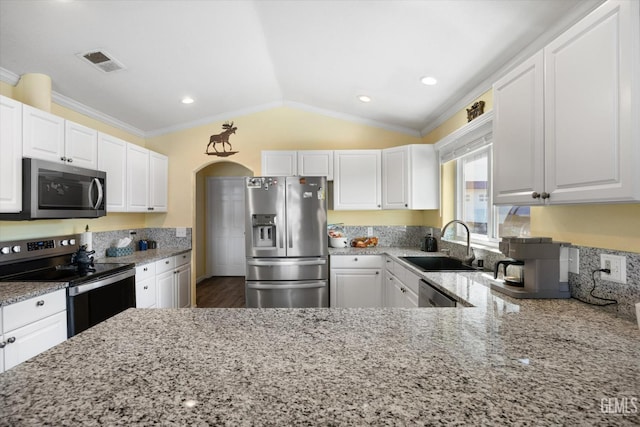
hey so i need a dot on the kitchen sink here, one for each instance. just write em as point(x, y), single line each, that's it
point(437, 263)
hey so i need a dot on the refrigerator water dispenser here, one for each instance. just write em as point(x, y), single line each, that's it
point(264, 230)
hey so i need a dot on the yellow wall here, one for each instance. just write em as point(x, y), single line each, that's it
point(276, 129)
point(615, 227)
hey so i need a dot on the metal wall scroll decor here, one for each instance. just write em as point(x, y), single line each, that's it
point(222, 138)
point(475, 111)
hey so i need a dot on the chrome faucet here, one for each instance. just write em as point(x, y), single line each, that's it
point(470, 255)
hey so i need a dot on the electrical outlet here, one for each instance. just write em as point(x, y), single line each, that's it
point(617, 265)
point(369, 231)
point(574, 260)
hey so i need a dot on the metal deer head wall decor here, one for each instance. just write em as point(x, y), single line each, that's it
point(222, 138)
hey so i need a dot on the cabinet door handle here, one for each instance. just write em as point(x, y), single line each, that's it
point(355, 259)
point(146, 287)
point(377, 272)
point(11, 340)
point(40, 303)
point(3, 344)
point(63, 158)
point(545, 195)
point(535, 195)
point(70, 160)
point(166, 262)
point(145, 269)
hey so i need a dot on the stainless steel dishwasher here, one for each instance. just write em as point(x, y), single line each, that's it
point(428, 296)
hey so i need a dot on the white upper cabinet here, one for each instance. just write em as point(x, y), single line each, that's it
point(81, 145)
point(315, 163)
point(518, 134)
point(570, 134)
point(298, 163)
point(279, 163)
point(112, 158)
point(43, 135)
point(147, 180)
point(592, 108)
point(137, 178)
point(357, 179)
point(49, 137)
point(158, 181)
point(410, 177)
point(10, 155)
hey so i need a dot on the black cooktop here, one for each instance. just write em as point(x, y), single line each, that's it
point(68, 273)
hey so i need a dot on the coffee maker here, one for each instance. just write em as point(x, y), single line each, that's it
point(545, 268)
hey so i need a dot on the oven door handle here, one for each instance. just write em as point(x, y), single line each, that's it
point(86, 287)
point(98, 185)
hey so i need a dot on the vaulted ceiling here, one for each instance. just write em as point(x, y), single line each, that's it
point(234, 57)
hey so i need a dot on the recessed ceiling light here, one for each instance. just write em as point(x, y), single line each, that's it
point(364, 98)
point(187, 100)
point(429, 81)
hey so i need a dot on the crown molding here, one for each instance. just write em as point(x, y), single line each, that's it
point(9, 77)
point(78, 107)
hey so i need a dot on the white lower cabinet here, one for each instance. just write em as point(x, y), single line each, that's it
point(165, 283)
point(32, 326)
point(183, 286)
point(146, 289)
point(401, 285)
point(355, 281)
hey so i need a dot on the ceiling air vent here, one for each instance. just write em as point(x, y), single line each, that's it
point(102, 61)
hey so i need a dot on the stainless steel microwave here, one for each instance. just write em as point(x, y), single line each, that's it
point(58, 190)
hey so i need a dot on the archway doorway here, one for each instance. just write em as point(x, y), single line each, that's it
point(216, 215)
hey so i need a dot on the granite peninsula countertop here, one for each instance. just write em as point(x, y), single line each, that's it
point(555, 363)
point(13, 292)
point(501, 362)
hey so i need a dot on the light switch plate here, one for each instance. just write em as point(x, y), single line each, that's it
point(574, 260)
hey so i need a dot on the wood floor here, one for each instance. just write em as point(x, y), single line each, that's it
point(221, 292)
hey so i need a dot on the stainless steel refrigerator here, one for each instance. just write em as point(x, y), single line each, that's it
point(286, 242)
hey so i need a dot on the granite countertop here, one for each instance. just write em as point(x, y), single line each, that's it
point(13, 292)
point(554, 363)
point(502, 361)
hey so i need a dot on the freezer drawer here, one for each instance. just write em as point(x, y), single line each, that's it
point(287, 269)
point(287, 294)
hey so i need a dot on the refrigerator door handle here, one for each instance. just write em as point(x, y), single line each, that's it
point(273, 263)
point(289, 229)
point(288, 285)
point(280, 234)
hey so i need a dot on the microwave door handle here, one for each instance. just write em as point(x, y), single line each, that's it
point(98, 184)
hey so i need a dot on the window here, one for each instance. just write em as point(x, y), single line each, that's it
point(487, 223)
point(466, 156)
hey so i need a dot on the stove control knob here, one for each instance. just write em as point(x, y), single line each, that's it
point(72, 242)
point(64, 242)
point(5, 250)
point(15, 249)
